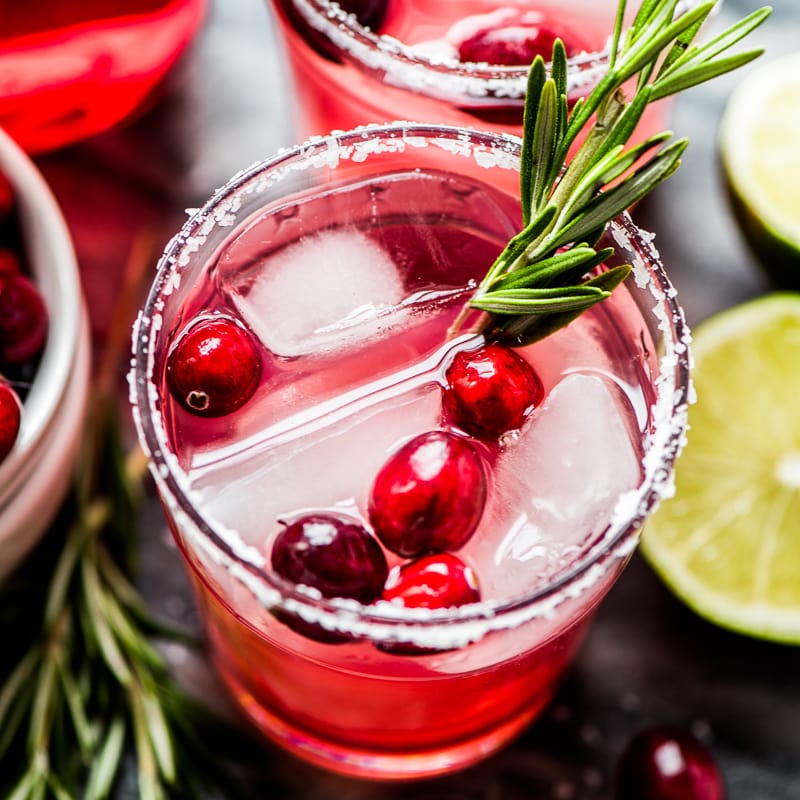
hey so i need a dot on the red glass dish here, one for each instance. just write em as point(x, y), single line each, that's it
point(71, 70)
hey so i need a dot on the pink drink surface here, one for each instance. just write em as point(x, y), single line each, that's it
point(331, 408)
point(582, 26)
point(71, 70)
point(335, 90)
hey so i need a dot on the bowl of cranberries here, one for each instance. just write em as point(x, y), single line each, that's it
point(44, 356)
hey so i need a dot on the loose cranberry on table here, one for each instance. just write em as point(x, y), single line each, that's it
point(333, 554)
point(441, 580)
point(214, 367)
point(10, 410)
point(429, 495)
point(665, 763)
point(515, 42)
point(490, 391)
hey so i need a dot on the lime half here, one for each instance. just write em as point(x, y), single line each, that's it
point(760, 157)
point(728, 542)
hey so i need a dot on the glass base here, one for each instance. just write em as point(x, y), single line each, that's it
point(361, 762)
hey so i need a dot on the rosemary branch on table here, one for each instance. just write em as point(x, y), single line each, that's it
point(545, 276)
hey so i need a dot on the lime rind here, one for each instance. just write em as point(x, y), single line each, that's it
point(778, 256)
point(762, 621)
point(761, 165)
point(728, 542)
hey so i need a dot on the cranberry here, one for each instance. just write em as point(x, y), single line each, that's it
point(23, 319)
point(9, 262)
point(665, 763)
point(441, 580)
point(333, 554)
point(6, 197)
point(513, 43)
point(429, 495)
point(10, 410)
point(214, 367)
point(490, 390)
point(368, 14)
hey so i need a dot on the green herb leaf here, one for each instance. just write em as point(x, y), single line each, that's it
point(536, 81)
point(107, 761)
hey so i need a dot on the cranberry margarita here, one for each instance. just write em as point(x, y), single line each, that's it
point(72, 70)
point(460, 62)
point(396, 560)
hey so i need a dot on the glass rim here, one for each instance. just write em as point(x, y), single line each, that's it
point(401, 66)
point(383, 620)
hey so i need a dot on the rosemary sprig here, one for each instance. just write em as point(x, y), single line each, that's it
point(545, 276)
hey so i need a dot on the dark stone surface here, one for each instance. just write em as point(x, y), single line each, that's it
point(648, 660)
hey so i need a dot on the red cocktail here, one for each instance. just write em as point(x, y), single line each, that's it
point(460, 62)
point(331, 276)
point(71, 70)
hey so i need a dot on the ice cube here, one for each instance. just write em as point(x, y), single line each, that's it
point(328, 464)
point(324, 291)
point(555, 488)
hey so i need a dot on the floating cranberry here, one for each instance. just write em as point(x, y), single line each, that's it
point(333, 554)
point(514, 43)
point(214, 367)
point(441, 580)
point(665, 763)
point(429, 495)
point(490, 391)
point(10, 410)
point(9, 262)
point(368, 14)
point(23, 319)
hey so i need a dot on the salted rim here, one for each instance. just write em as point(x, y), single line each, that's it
point(385, 621)
point(400, 65)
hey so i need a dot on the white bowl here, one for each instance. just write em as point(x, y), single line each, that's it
point(36, 474)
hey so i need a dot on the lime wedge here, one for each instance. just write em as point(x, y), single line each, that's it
point(758, 145)
point(728, 542)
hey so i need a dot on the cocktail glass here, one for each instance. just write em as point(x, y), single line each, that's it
point(408, 61)
point(347, 259)
point(72, 70)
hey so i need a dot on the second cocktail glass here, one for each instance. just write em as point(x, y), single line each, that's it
point(460, 62)
point(342, 264)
